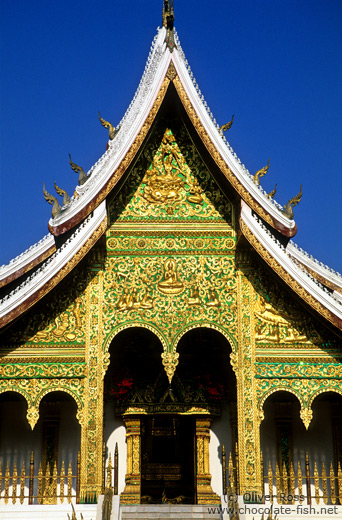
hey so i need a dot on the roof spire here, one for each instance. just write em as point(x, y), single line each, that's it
point(168, 19)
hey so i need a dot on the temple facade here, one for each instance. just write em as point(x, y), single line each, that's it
point(167, 341)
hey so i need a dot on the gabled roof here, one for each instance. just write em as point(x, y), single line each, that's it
point(163, 66)
point(85, 216)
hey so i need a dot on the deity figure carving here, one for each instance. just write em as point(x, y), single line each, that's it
point(129, 300)
point(195, 193)
point(194, 298)
point(170, 284)
point(163, 186)
point(281, 323)
point(77, 313)
point(122, 305)
point(146, 302)
point(213, 299)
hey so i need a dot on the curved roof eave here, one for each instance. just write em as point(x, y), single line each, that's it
point(55, 268)
point(323, 273)
point(27, 260)
point(134, 127)
point(282, 263)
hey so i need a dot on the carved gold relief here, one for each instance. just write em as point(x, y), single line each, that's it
point(170, 362)
point(170, 284)
point(176, 185)
point(277, 323)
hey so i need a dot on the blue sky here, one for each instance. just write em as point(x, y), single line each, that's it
point(276, 65)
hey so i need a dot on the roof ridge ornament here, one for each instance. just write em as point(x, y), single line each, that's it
point(82, 176)
point(56, 208)
point(109, 126)
point(168, 20)
point(227, 126)
point(287, 210)
point(261, 173)
point(62, 193)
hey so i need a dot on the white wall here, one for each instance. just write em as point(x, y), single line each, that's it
point(115, 432)
point(220, 433)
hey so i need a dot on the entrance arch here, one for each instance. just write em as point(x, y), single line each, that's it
point(135, 366)
point(162, 429)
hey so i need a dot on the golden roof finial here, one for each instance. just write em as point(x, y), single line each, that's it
point(168, 14)
point(168, 19)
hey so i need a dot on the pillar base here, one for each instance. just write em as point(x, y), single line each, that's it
point(132, 492)
point(205, 493)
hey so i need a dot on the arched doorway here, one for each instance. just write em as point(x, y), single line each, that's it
point(60, 431)
point(167, 426)
point(204, 364)
point(281, 430)
point(41, 464)
point(324, 436)
point(16, 436)
point(300, 461)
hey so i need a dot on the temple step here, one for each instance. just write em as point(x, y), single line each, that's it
point(168, 512)
point(47, 512)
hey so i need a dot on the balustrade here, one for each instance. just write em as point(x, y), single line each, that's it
point(46, 485)
point(302, 483)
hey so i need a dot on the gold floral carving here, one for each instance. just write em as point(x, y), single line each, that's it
point(92, 427)
point(175, 186)
point(280, 322)
point(33, 390)
point(170, 362)
point(306, 416)
point(32, 416)
point(248, 428)
point(171, 72)
point(205, 494)
point(304, 389)
point(181, 290)
point(42, 370)
point(132, 491)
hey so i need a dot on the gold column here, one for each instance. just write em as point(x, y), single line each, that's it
point(132, 491)
point(92, 423)
point(205, 494)
point(248, 421)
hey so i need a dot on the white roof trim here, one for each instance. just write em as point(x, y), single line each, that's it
point(155, 70)
point(54, 263)
point(297, 272)
point(318, 267)
point(28, 256)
